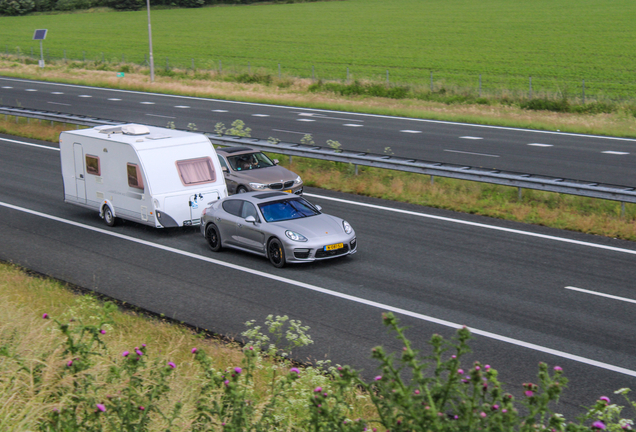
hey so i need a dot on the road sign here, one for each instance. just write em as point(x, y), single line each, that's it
point(40, 34)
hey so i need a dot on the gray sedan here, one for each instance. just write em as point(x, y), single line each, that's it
point(246, 169)
point(283, 227)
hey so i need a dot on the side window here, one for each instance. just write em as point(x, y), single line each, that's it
point(223, 163)
point(233, 207)
point(249, 210)
point(92, 165)
point(134, 176)
point(196, 171)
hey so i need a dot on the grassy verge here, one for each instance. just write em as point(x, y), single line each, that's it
point(587, 215)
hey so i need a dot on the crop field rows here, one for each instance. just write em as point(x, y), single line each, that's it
point(556, 48)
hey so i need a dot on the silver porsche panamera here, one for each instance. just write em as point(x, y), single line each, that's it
point(283, 227)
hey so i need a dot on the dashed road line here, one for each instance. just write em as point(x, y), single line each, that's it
point(472, 153)
point(596, 293)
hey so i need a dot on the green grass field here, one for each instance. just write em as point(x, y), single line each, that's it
point(556, 42)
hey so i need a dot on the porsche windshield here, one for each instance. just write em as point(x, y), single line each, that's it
point(287, 209)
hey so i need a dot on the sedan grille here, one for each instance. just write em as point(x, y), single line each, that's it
point(321, 253)
point(278, 186)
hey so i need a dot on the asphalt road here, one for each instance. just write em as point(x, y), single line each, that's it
point(607, 160)
point(517, 287)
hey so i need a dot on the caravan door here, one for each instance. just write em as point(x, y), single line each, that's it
point(80, 181)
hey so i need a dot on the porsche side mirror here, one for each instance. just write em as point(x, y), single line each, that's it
point(250, 219)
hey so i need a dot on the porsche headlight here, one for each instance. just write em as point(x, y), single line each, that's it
point(295, 236)
point(258, 186)
point(347, 227)
point(298, 180)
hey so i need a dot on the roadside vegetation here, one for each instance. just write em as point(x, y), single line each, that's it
point(78, 363)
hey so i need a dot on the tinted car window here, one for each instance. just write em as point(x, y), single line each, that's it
point(287, 209)
point(249, 161)
point(233, 207)
point(249, 210)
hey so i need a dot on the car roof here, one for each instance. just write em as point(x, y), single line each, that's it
point(235, 150)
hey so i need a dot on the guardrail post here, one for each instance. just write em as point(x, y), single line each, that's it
point(432, 179)
point(519, 197)
point(356, 169)
point(622, 209)
point(290, 159)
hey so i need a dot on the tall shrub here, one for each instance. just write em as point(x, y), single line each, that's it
point(16, 7)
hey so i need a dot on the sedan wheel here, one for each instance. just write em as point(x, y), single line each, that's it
point(276, 253)
point(213, 237)
point(241, 189)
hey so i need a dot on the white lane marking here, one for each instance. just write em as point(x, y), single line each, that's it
point(541, 145)
point(477, 224)
point(328, 111)
point(7, 87)
point(336, 294)
point(596, 293)
point(353, 125)
point(615, 152)
point(306, 114)
point(410, 131)
point(306, 120)
point(162, 116)
point(85, 96)
point(292, 132)
point(59, 103)
point(322, 116)
point(471, 153)
point(31, 90)
point(57, 93)
point(147, 103)
point(471, 137)
point(219, 111)
point(260, 115)
point(114, 99)
point(182, 106)
point(29, 144)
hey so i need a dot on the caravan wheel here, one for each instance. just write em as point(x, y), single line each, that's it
point(109, 219)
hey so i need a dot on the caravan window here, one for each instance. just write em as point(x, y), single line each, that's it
point(196, 171)
point(134, 176)
point(92, 165)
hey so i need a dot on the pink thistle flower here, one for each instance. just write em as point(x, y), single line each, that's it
point(295, 370)
point(460, 371)
point(101, 407)
point(172, 365)
point(317, 389)
point(477, 368)
point(487, 367)
point(378, 378)
point(125, 354)
point(529, 393)
point(141, 408)
point(143, 345)
point(194, 350)
point(70, 363)
point(238, 370)
point(495, 407)
point(226, 382)
point(482, 414)
point(598, 425)
point(416, 392)
point(504, 410)
point(139, 353)
point(453, 356)
point(604, 398)
point(45, 316)
point(558, 368)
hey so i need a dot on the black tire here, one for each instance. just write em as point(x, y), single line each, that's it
point(276, 253)
point(213, 237)
point(109, 219)
point(241, 189)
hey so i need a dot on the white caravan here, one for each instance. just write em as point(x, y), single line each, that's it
point(154, 176)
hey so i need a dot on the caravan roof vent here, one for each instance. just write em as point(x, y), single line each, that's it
point(135, 129)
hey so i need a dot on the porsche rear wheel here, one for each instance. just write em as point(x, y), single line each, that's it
point(276, 253)
point(213, 237)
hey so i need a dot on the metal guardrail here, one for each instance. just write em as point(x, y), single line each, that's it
point(624, 194)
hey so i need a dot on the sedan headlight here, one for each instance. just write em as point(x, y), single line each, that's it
point(295, 236)
point(258, 186)
point(347, 227)
point(298, 180)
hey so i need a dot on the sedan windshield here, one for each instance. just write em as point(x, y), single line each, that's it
point(287, 209)
point(249, 161)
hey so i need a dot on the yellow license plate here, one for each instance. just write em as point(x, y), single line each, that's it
point(333, 247)
point(288, 190)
